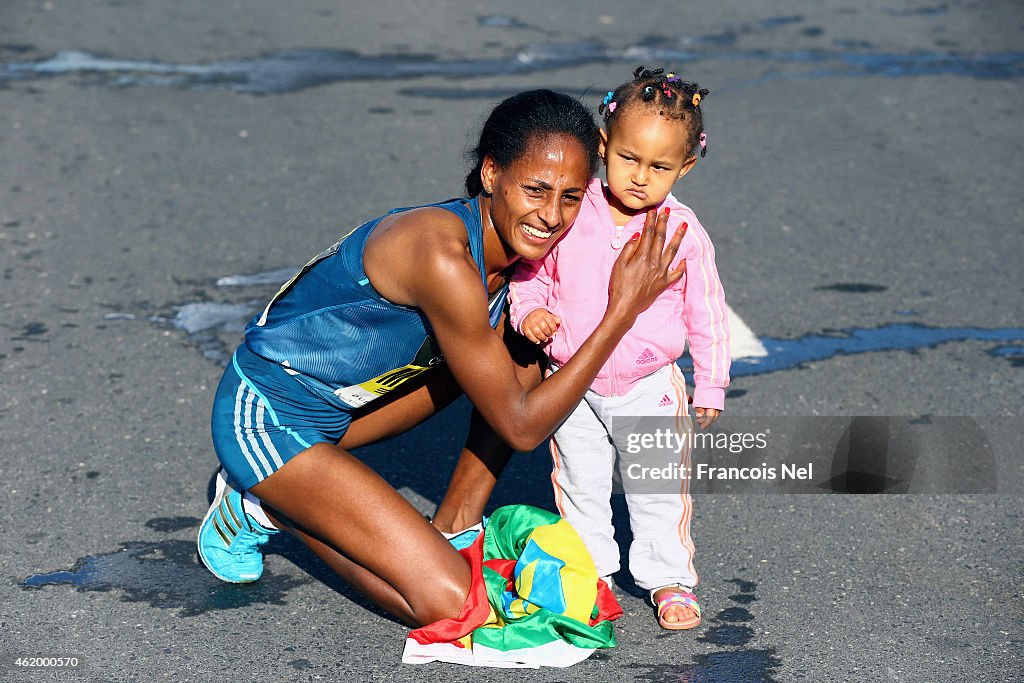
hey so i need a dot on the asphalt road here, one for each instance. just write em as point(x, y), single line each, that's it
point(860, 189)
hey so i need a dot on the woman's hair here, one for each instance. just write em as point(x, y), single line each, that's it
point(518, 121)
point(664, 93)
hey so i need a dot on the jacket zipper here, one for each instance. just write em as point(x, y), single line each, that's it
point(613, 377)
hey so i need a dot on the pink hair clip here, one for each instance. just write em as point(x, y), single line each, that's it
point(611, 106)
point(703, 140)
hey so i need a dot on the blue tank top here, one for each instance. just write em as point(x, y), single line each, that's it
point(330, 329)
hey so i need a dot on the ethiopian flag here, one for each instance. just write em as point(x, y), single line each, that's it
point(535, 600)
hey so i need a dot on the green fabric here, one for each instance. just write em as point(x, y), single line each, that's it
point(508, 533)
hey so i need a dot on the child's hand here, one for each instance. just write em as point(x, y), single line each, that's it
point(539, 325)
point(706, 416)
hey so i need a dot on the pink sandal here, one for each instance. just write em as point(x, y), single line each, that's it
point(682, 598)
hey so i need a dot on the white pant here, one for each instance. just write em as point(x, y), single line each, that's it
point(584, 454)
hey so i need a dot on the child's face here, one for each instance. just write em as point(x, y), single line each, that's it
point(644, 155)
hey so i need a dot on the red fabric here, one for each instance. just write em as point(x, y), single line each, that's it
point(474, 613)
point(505, 568)
point(608, 608)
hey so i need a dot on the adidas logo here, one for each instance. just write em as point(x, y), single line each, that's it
point(665, 401)
point(646, 357)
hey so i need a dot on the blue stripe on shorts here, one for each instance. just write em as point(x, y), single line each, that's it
point(263, 417)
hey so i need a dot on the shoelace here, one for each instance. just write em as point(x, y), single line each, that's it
point(247, 541)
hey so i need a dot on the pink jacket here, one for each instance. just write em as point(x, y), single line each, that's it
point(572, 282)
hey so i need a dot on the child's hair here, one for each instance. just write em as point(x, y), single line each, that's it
point(665, 93)
point(512, 126)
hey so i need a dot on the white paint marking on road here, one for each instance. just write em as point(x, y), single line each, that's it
point(743, 343)
point(268, 277)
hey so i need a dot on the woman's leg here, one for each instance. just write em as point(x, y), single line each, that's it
point(480, 463)
point(485, 455)
point(347, 514)
point(333, 502)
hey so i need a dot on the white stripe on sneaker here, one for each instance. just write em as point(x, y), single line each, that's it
point(238, 432)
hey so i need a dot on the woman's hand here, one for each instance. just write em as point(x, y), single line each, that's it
point(642, 271)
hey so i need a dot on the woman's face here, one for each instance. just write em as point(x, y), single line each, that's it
point(537, 197)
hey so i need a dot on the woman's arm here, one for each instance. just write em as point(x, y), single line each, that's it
point(447, 288)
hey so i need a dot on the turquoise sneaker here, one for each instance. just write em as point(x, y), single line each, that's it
point(229, 539)
point(465, 538)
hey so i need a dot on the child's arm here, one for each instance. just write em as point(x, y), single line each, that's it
point(529, 291)
point(707, 325)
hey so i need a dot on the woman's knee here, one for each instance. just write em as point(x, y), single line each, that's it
point(438, 598)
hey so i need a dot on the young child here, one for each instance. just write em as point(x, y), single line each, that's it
point(653, 131)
